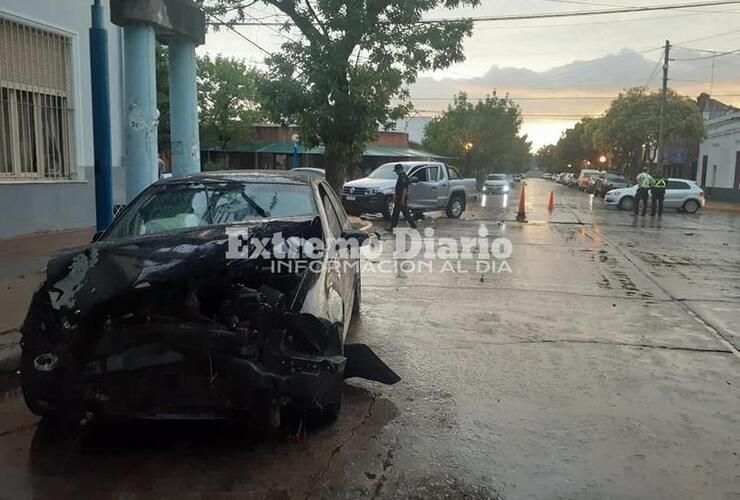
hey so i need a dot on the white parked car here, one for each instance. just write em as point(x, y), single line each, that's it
point(682, 194)
point(496, 184)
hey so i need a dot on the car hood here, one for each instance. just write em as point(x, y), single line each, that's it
point(79, 279)
point(368, 183)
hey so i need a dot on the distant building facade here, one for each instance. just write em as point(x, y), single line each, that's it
point(719, 153)
point(273, 149)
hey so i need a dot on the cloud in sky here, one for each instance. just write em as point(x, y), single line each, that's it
point(584, 57)
point(555, 99)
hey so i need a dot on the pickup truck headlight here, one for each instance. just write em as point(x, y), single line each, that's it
point(506, 189)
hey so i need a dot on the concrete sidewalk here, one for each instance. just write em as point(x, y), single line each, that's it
point(22, 267)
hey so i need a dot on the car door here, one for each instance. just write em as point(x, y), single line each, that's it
point(448, 174)
point(337, 285)
point(676, 193)
point(423, 188)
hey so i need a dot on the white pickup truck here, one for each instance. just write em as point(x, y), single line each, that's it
point(434, 186)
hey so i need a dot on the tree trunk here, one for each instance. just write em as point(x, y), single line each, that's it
point(336, 159)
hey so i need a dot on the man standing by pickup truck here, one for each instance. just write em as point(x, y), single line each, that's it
point(401, 198)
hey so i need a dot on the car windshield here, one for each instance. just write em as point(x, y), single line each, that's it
point(496, 177)
point(386, 171)
point(184, 206)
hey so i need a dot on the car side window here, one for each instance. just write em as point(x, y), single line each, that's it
point(454, 173)
point(433, 173)
point(677, 185)
point(338, 209)
point(331, 217)
point(421, 174)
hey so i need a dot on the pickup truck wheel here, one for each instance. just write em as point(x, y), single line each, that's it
point(455, 207)
point(626, 203)
point(388, 207)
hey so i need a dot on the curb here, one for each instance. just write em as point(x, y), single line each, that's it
point(10, 351)
point(728, 209)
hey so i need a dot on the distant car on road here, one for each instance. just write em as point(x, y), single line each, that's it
point(517, 177)
point(434, 186)
point(682, 194)
point(586, 179)
point(608, 181)
point(547, 176)
point(496, 184)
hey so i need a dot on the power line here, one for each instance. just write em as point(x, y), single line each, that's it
point(547, 15)
point(718, 54)
point(230, 27)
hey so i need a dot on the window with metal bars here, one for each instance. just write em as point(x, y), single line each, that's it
point(35, 103)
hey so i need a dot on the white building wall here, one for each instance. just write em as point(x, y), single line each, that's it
point(720, 147)
point(49, 205)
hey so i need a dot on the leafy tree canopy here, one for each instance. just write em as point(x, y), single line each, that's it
point(344, 70)
point(227, 95)
point(227, 98)
point(628, 132)
point(485, 136)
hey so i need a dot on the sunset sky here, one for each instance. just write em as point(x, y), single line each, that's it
point(559, 69)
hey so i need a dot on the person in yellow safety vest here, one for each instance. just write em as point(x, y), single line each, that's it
point(644, 183)
point(658, 194)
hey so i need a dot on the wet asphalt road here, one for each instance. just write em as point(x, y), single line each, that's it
point(604, 365)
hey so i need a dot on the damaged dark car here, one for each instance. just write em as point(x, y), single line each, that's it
point(201, 301)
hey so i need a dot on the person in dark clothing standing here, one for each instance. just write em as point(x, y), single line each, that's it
point(401, 198)
point(658, 194)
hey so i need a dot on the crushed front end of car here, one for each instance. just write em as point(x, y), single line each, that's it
point(168, 327)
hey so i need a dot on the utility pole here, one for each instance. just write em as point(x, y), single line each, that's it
point(663, 99)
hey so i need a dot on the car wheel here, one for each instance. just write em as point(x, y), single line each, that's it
point(390, 204)
point(691, 206)
point(626, 203)
point(455, 207)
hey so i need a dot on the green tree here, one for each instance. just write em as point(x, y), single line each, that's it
point(227, 95)
point(628, 132)
point(344, 63)
point(547, 158)
point(484, 136)
point(226, 98)
point(576, 145)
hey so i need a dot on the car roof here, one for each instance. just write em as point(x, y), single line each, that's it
point(411, 163)
point(247, 176)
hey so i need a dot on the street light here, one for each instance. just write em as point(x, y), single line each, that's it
point(468, 146)
point(602, 160)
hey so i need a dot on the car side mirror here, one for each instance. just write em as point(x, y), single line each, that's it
point(414, 180)
point(97, 236)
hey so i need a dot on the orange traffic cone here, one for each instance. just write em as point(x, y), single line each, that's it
point(551, 204)
point(521, 216)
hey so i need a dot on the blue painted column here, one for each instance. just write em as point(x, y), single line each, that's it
point(183, 107)
point(99, 81)
point(142, 115)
